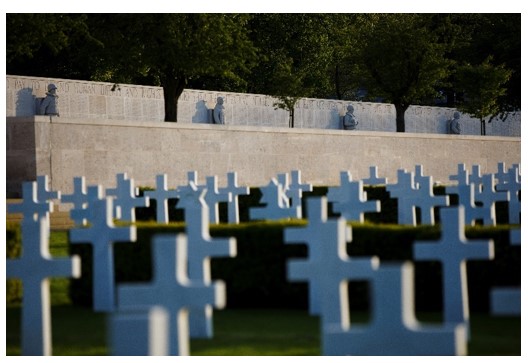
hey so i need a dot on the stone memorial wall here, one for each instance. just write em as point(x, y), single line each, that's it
point(98, 100)
point(99, 149)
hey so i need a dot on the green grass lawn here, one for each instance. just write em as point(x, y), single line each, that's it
point(80, 331)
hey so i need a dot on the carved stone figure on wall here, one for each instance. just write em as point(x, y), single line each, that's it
point(453, 125)
point(49, 106)
point(218, 112)
point(349, 120)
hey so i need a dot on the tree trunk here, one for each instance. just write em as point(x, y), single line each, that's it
point(172, 89)
point(400, 116)
point(482, 126)
point(292, 118)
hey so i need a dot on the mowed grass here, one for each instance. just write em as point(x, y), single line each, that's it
point(253, 332)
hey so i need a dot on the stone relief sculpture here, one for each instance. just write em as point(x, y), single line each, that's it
point(349, 120)
point(218, 112)
point(49, 106)
point(453, 125)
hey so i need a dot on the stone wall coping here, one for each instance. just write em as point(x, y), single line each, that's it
point(257, 129)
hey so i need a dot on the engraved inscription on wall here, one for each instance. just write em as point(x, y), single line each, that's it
point(98, 100)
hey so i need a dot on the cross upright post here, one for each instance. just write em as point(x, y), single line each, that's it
point(501, 175)
point(426, 200)
point(328, 266)
point(284, 181)
point(296, 188)
point(93, 194)
point(461, 178)
point(78, 198)
point(453, 250)
point(512, 184)
point(161, 195)
point(34, 268)
point(373, 178)
point(404, 190)
point(476, 178)
point(201, 248)
point(172, 289)
point(126, 199)
point(101, 234)
point(31, 208)
point(213, 197)
point(233, 189)
point(314, 236)
point(43, 192)
point(192, 177)
point(466, 198)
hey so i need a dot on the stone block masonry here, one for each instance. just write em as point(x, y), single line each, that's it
point(64, 148)
point(108, 101)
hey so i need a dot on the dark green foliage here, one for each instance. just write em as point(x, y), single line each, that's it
point(388, 214)
point(13, 250)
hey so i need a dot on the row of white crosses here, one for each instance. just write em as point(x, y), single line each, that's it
point(186, 271)
point(394, 329)
point(182, 279)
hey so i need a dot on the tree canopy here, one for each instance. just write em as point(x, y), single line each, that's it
point(401, 58)
point(483, 85)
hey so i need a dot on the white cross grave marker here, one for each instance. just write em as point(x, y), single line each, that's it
point(43, 192)
point(404, 190)
point(296, 188)
point(501, 175)
point(453, 250)
point(126, 199)
point(393, 329)
point(476, 177)
point(201, 248)
point(461, 177)
point(161, 195)
point(284, 180)
point(101, 234)
point(78, 198)
point(466, 198)
point(426, 199)
point(314, 235)
point(350, 200)
point(213, 197)
point(233, 189)
point(192, 176)
point(276, 206)
point(373, 178)
point(511, 183)
point(172, 289)
point(31, 208)
point(93, 194)
point(328, 266)
point(34, 268)
point(488, 197)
